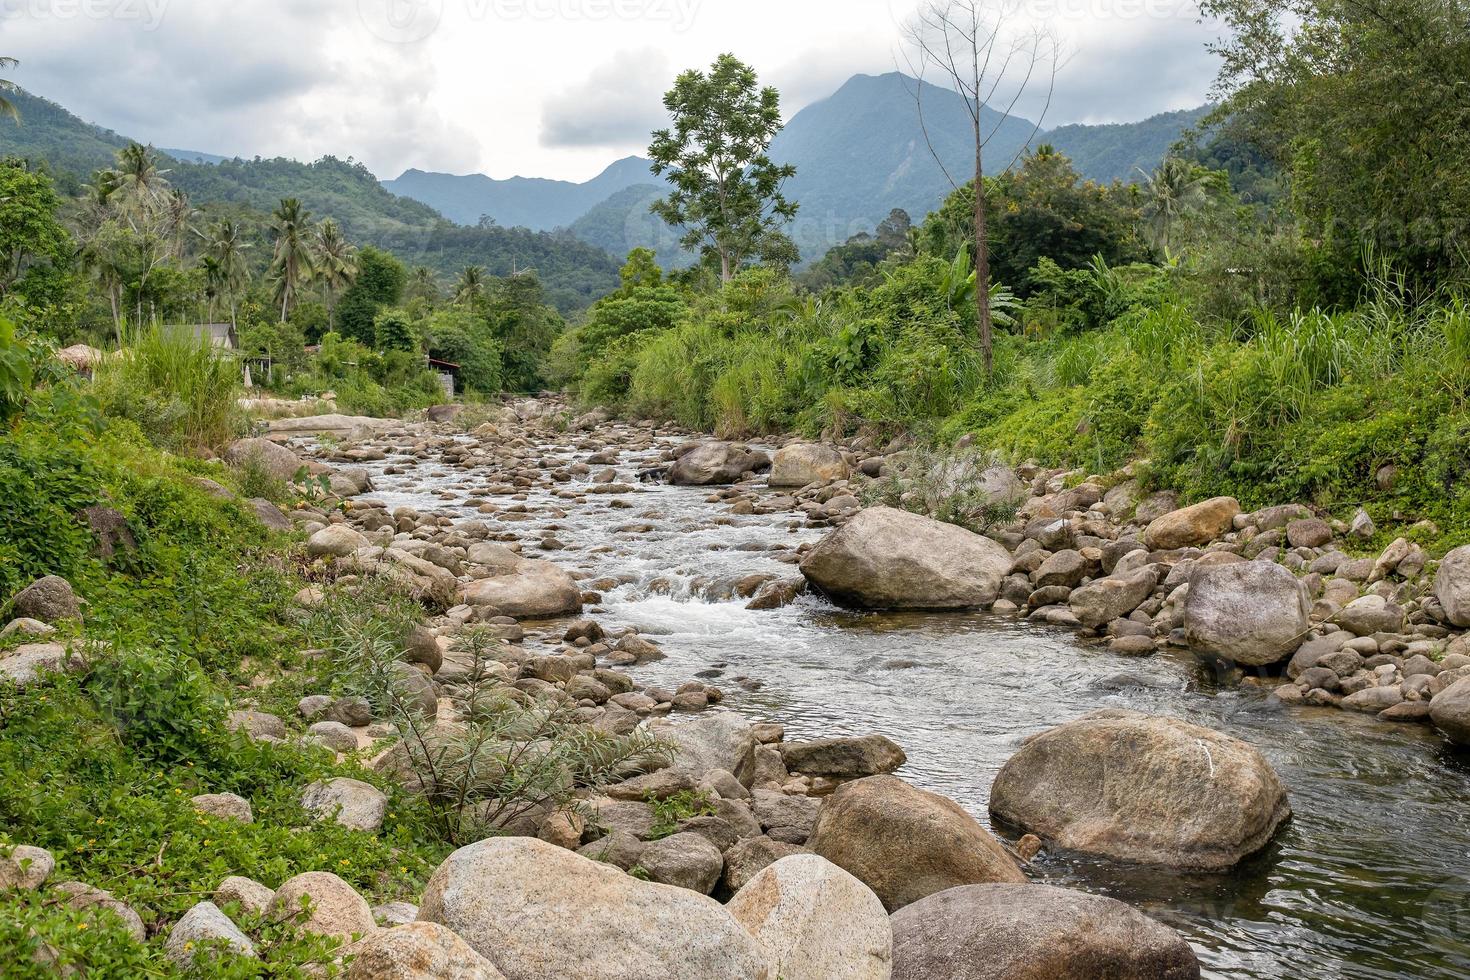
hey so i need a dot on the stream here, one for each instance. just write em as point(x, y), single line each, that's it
point(1369, 879)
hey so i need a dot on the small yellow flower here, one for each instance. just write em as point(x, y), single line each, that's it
point(178, 792)
point(81, 925)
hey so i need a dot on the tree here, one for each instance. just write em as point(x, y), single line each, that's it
point(1174, 191)
point(292, 260)
point(471, 285)
point(423, 284)
point(138, 186)
point(379, 283)
point(392, 331)
point(30, 232)
point(726, 191)
point(225, 246)
point(334, 263)
point(1363, 103)
point(7, 108)
point(988, 53)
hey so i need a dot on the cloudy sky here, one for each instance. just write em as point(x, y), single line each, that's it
point(553, 88)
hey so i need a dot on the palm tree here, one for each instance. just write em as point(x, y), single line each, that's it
point(1172, 192)
point(139, 181)
point(7, 108)
point(176, 212)
point(334, 261)
point(214, 284)
point(224, 245)
point(471, 284)
point(292, 261)
point(423, 283)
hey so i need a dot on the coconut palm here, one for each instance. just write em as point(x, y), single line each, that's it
point(334, 263)
point(1172, 192)
point(423, 283)
point(225, 245)
point(7, 108)
point(292, 261)
point(175, 212)
point(471, 284)
point(139, 185)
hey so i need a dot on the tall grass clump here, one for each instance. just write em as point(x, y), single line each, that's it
point(180, 390)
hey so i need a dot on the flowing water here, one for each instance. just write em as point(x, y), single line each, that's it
point(1370, 878)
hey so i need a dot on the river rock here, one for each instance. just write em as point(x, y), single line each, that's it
point(335, 541)
point(1144, 789)
point(278, 461)
point(1252, 612)
point(1370, 614)
point(890, 559)
point(749, 857)
point(712, 463)
point(718, 740)
point(418, 951)
point(816, 920)
point(205, 923)
point(225, 806)
point(531, 589)
point(25, 868)
point(337, 910)
point(250, 895)
point(1452, 586)
point(1450, 712)
point(538, 911)
point(29, 664)
point(866, 755)
point(89, 899)
point(904, 842)
point(802, 463)
point(352, 803)
point(1100, 602)
point(685, 860)
point(49, 599)
point(1033, 932)
point(1194, 526)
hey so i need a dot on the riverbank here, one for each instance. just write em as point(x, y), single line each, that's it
point(650, 586)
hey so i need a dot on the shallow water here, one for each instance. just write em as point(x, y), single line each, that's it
point(1370, 879)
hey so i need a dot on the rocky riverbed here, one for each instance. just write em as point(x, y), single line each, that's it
point(1186, 670)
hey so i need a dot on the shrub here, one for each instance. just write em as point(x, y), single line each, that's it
point(178, 388)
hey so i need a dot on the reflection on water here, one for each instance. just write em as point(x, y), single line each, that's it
point(1371, 877)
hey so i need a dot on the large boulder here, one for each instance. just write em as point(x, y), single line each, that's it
point(49, 599)
point(335, 541)
point(1450, 712)
point(711, 463)
point(802, 463)
point(25, 665)
point(534, 589)
point(1452, 586)
point(1144, 789)
point(278, 461)
point(816, 920)
point(536, 910)
point(1100, 602)
point(686, 860)
point(906, 843)
point(866, 755)
point(352, 803)
point(1251, 612)
point(1033, 932)
point(1192, 527)
point(204, 931)
point(418, 951)
point(718, 740)
point(890, 559)
point(334, 908)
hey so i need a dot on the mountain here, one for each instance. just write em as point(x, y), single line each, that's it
point(573, 272)
point(623, 223)
point(193, 156)
point(525, 202)
point(1118, 151)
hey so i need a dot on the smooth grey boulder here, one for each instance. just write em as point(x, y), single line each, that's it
point(1033, 932)
point(1142, 789)
point(864, 755)
point(538, 911)
point(891, 559)
point(713, 463)
point(803, 463)
point(1252, 612)
point(204, 931)
point(1100, 602)
point(49, 599)
point(1452, 586)
point(418, 951)
point(530, 589)
point(1450, 712)
point(352, 803)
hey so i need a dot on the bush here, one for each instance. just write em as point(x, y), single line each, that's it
point(178, 388)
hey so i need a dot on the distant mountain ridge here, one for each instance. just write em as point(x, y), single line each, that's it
point(525, 202)
point(859, 153)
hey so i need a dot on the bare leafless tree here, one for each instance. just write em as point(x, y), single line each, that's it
point(990, 52)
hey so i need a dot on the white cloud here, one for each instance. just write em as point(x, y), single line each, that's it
point(617, 105)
